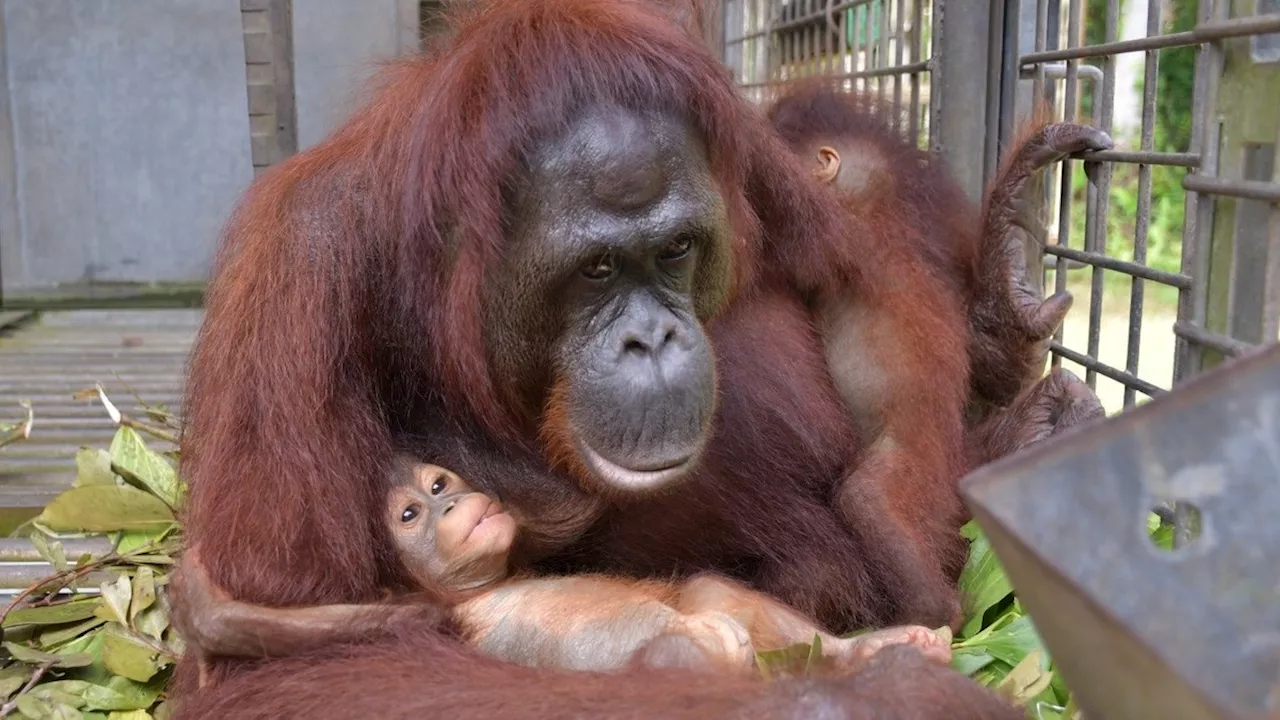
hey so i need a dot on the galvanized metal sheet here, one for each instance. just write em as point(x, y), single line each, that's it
point(1137, 631)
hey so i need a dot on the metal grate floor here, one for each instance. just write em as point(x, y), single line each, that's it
point(46, 358)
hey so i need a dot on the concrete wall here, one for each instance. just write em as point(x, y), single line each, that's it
point(124, 141)
point(336, 47)
point(129, 128)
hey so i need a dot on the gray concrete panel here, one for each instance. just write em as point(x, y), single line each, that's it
point(130, 138)
point(336, 48)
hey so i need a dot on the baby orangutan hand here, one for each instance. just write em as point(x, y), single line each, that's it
point(855, 653)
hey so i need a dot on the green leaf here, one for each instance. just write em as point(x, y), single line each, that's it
point(121, 693)
point(992, 674)
point(57, 694)
point(1061, 695)
point(93, 467)
point(144, 591)
point(67, 612)
point(1014, 642)
point(51, 553)
point(31, 656)
point(125, 656)
point(131, 457)
point(152, 622)
point(983, 583)
point(73, 688)
point(790, 660)
point(131, 715)
point(51, 639)
point(116, 595)
point(1163, 537)
point(968, 661)
point(131, 540)
point(105, 508)
point(65, 712)
point(33, 707)
point(815, 653)
point(89, 644)
point(11, 685)
point(1026, 680)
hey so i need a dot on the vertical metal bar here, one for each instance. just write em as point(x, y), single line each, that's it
point(959, 74)
point(855, 31)
point(995, 62)
point(1150, 79)
point(882, 54)
point(1100, 197)
point(1074, 11)
point(804, 38)
point(828, 62)
point(1042, 28)
point(789, 48)
point(843, 44)
point(767, 11)
point(1208, 65)
point(917, 43)
point(1037, 191)
point(899, 36)
point(815, 56)
point(1198, 226)
point(868, 44)
point(1008, 75)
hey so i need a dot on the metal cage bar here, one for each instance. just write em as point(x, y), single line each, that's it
point(876, 46)
point(927, 59)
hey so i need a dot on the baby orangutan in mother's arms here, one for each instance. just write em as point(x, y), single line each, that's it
point(453, 538)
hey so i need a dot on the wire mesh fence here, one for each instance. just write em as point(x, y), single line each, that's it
point(881, 47)
point(1171, 242)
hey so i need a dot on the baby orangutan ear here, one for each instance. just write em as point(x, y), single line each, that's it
point(828, 164)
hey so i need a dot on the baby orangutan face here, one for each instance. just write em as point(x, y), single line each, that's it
point(447, 534)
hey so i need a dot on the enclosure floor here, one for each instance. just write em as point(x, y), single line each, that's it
point(49, 357)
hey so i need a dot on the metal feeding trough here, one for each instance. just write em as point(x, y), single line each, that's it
point(1139, 631)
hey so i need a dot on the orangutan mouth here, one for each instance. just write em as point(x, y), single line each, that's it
point(616, 476)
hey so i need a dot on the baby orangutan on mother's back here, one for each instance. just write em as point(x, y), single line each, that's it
point(452, 537)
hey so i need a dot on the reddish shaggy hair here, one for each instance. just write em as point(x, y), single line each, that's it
point(347, 284)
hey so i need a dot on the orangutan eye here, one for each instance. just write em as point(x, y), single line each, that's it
point(438, 486)
point(410, 513)
point(677, 248)
point(600, 268)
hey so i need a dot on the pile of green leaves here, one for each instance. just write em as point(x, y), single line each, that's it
point(997, 645)
point(69, 653)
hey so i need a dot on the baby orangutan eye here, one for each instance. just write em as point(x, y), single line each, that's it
point(410, 513)
point(438, 486)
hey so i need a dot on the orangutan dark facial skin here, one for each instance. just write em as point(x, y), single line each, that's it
point(619, 251)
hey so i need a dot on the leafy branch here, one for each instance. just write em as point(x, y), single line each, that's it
point(70, 653)
point(10, 434)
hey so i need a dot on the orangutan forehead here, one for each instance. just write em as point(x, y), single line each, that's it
point(620, 158)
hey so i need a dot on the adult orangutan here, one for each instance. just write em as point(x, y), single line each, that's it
point(561, 256)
